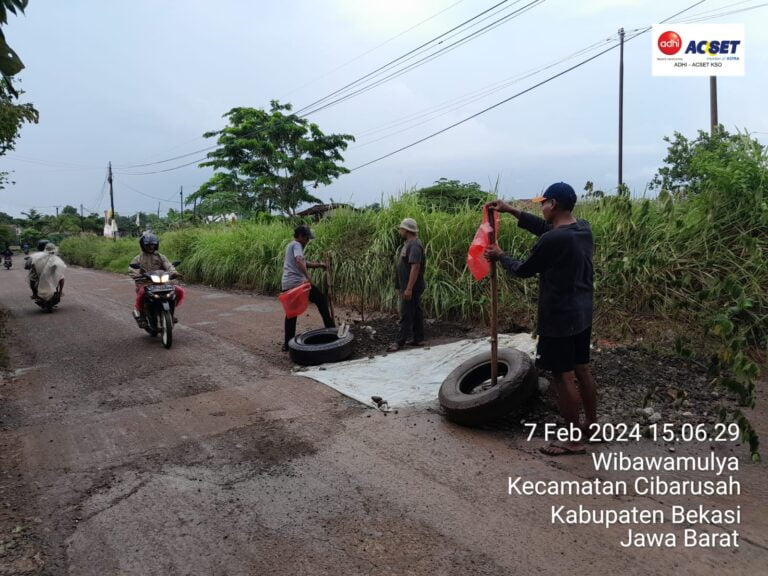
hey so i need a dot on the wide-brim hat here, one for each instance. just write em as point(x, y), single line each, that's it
point(410, 225)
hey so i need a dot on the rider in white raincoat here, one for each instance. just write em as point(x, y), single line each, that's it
point(50, 272)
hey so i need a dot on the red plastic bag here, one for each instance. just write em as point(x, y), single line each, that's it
point(296, 300)
point(476, 262)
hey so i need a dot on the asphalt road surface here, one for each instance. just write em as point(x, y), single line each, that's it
point(119, 457)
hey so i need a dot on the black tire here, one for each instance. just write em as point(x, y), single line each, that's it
point(166, 328)
point(467, 397)
point(320, 347)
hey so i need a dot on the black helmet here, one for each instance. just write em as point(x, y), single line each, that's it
point(149, 240)
point(41, 244)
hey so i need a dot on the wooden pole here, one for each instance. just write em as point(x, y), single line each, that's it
point(713, 121)
point(329, 285)
point(494, 297)
point(112, 200)
point(621, 111)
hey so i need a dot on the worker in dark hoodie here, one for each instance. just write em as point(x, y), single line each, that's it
point(562, 258)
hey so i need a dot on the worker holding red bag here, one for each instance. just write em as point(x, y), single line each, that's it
point(296, 273)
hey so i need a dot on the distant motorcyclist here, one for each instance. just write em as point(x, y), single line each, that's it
point(7, 256)
point(29, 264)
point(25, 248)
point(149, 260)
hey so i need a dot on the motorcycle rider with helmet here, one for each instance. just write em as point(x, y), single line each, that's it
point(149, 260)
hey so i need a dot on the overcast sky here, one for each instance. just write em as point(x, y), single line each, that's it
point(138, 82)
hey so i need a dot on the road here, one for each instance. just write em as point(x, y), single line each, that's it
point(119, 457)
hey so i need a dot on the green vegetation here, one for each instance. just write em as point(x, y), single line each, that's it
point(452, 196)
point(265, 159)
point(694, 258)
point(13, 114)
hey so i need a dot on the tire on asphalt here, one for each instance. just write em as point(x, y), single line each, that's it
point(320, 347)
point(166, 329)
point(468, 398)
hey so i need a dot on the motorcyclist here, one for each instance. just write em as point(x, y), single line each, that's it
point(49, 269)
point(7, 253)
point(29, 264)
point(149, 260)
point(25, 248)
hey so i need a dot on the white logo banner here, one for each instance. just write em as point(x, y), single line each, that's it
point(698, 50)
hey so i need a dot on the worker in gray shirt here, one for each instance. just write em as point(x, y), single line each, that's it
point(296, 272)
point(410, 286)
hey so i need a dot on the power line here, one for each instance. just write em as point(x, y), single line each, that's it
point(694, 19)
point(391, 62)
point(359, 56)
point(166, 201)
point(164, 170)
point(176, 146)
point(455, 104)
point(126, 167)
point(61, 166)
point(377, 83)
point(716, 9)
point(424, 60)
point(518, 94)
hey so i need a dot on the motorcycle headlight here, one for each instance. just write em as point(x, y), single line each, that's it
point(164, 278)
point(155, 278)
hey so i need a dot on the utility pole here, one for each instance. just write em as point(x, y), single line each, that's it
point(82, 221)
point(112, 199)
point(621, 109)
point(181, 201)
point(158, 210)
point(713, 104)
point(57, 211)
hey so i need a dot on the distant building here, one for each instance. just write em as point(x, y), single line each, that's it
point(227, 218)
point(319, 211)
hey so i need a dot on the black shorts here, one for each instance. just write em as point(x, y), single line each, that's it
point(563, 354)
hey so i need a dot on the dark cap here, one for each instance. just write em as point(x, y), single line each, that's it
point(560, 191)
point(303, 231)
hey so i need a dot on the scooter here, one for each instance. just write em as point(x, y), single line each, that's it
point(159, 303)
point(7, 262)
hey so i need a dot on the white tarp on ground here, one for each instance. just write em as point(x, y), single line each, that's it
point(410, 377)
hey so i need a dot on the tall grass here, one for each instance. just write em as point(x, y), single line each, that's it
point(653, 257)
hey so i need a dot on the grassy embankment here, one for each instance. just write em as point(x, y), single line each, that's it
point(685, 260)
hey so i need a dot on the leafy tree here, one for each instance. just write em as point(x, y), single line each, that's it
point(690, 164)
point(452, 195)
point(10, 63)
point(70, 211)
point(7, 235)
point(13, 115)
point(34, 218)
point(224, 193)
point(266, 158)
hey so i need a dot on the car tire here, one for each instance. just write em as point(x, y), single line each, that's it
point(468, 398)
point(320, 347)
